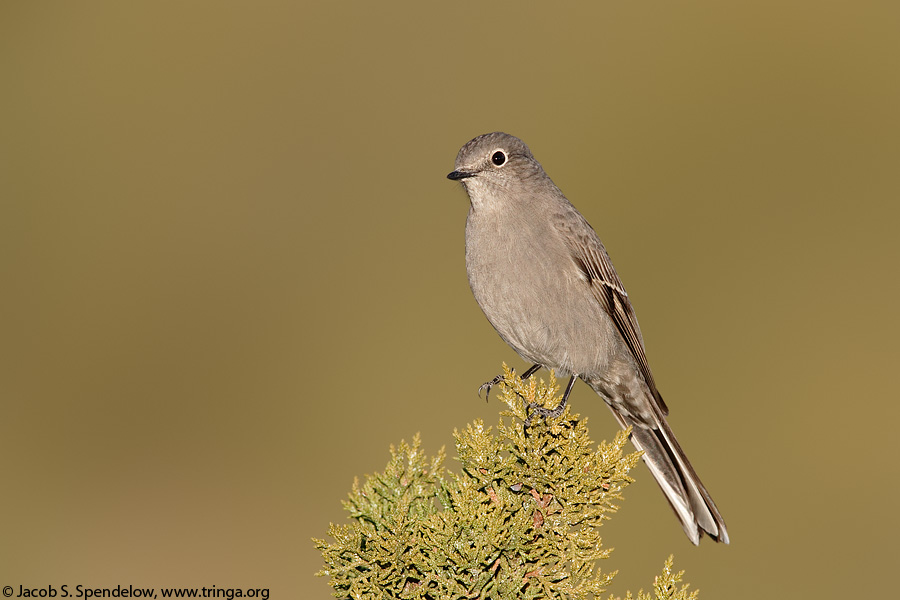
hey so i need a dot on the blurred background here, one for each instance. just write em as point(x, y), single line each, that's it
point(232, 271)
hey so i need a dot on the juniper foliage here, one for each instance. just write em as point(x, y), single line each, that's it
point(520, 521)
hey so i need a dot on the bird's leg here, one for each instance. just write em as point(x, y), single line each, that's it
point(531, 371)
point(487, 385)
point(536, 409)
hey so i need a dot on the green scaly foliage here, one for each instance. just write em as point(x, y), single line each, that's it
point(519, 522)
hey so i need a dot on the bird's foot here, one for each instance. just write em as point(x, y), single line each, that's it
point(536, 410)
point(487, 385)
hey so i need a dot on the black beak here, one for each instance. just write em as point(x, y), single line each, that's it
point(456, 175)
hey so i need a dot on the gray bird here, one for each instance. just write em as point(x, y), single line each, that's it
point(545, 282)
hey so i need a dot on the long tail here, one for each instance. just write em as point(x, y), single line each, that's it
point(677, 478)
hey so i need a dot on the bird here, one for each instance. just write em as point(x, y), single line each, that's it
point(545, 281)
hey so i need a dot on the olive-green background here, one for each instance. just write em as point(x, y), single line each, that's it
point(232, 271)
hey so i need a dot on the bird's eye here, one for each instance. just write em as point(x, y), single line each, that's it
point(498, 158)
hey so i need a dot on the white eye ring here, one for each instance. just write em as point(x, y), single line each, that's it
point(498, 157)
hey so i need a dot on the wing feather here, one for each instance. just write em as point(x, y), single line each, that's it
point(592, 259)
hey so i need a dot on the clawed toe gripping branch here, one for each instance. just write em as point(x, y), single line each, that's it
point(520, 519)
point(532, 409)
point(487, 385)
